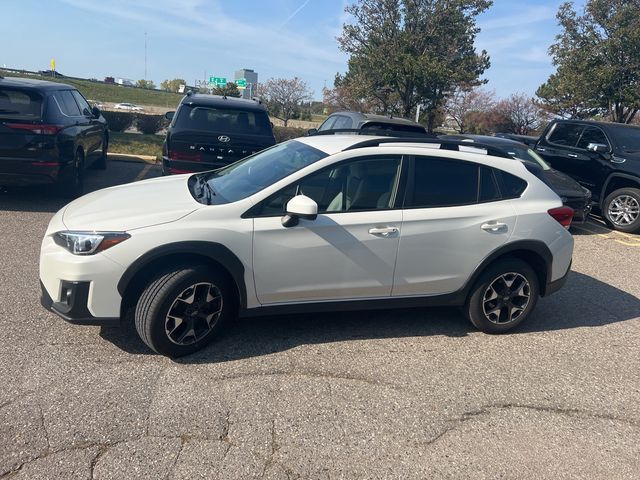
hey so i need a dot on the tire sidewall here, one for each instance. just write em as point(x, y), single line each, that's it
point(156, 333)
point(474, 306)
point(632, 192)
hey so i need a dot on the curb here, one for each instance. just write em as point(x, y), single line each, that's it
point(125, 157)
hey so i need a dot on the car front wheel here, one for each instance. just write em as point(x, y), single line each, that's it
point(181, 310)
point(503, 297)
point(622, 210)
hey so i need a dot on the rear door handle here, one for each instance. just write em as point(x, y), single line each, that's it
point(541, 149)
point(494, 227)
point(384, 231)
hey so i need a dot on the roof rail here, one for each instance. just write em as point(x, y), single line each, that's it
point(444, 145)
point(378, 132)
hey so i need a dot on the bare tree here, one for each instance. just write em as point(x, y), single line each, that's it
point(465, 100)
point(520, 114)
point(284, 97)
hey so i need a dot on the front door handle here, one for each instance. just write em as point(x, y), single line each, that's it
point(384, 231)
point(494, 227)
point(572, 155)
point(541, 149)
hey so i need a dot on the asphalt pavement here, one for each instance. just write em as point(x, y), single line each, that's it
point(404, 394)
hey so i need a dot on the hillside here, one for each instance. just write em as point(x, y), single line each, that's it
point(104, 92)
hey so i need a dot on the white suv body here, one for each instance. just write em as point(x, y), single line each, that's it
point(367, 245)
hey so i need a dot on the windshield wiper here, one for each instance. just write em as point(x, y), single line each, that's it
point(204, 189)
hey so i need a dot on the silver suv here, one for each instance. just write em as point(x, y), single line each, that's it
point(314, 224)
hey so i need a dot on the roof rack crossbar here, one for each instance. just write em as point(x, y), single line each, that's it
point(444, 145)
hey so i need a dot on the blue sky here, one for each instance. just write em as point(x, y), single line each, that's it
point(277, 38)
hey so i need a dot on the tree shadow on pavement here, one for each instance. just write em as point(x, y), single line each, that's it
point(583, 302)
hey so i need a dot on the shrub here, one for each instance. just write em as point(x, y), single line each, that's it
point(287, 133)
point(149, 124)
point(118, 121)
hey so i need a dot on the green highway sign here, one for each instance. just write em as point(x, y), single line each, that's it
point(241, 82)
point(218, 81)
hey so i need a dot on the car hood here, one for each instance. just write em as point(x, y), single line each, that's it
point(131, 206)
point(564, 185)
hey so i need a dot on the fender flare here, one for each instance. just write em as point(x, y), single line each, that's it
point(212, 250)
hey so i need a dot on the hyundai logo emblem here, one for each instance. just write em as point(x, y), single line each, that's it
point(223, 139)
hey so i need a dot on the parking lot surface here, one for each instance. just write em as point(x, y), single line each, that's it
point(387, 394)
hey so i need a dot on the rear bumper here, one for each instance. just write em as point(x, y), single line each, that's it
point(72, 306)
point(177, 167)
point(554, 286)
point(27, 171)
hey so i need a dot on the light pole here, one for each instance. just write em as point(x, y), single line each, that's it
point(145, 55)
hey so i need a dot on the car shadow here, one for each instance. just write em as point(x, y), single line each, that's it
point(583, 302)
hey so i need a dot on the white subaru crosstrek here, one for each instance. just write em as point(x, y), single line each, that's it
point(313, 224)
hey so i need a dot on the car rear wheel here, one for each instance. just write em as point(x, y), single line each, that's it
point(621, 210)
point(101, 163)
point(503, 297)
point(71, 185)
point(181, 310)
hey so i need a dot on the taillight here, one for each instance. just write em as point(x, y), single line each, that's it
point(178, 171)
point(189, 157)
point(563, 215)
point(36, 129)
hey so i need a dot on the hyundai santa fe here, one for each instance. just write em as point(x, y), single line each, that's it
point(314, 224)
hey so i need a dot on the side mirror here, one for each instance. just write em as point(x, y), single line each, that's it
point(598, 147)
point(96, 112)
point(169, 115)
point(299, 207)
point(312, 131)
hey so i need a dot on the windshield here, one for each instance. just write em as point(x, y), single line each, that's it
point(524, 153)
point(20, 104)
point(628, 139)
point(252, 174)
point(199, 117)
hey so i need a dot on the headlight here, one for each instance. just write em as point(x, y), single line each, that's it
point(88, 243)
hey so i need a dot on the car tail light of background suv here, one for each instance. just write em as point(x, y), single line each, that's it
point(563, 215)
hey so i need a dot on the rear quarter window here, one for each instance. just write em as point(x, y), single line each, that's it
point(20, 104)
point(510, 185)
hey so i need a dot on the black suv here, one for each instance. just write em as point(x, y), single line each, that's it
point(349, 121)
point(48, 134)
point(604, 157)
point(212, 131)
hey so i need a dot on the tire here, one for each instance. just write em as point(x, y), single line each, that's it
point(621, 210)
point(72, 183)
point(480, 308)
point(173, 295)
point(101, 163)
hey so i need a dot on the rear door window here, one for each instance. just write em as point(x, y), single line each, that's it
point(566, 134)
point(67, 103)
point(224, 120)
point(20, 104)
point(440, 182)
point(592, 135)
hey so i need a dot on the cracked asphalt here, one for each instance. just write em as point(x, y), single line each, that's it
point(386, 394)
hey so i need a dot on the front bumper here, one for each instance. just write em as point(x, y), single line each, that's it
point(72, 306)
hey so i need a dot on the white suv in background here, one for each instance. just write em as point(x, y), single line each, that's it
point(314, 224)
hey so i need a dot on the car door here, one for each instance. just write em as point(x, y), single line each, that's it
point(348, 251)
point(456, 213)
point(558, 143)
point(92, 128)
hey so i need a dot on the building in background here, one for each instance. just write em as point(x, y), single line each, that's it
point(251, 78)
